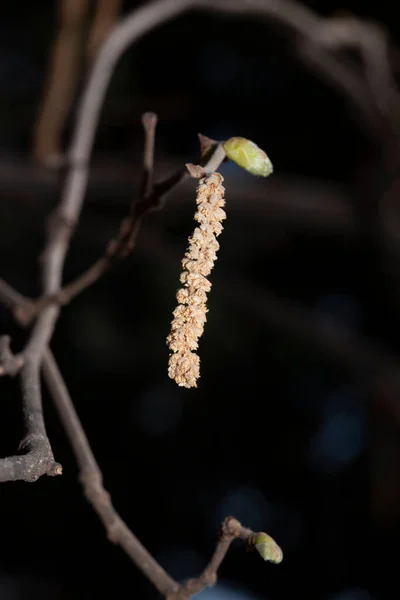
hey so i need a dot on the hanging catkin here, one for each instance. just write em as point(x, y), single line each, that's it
point(190, 314)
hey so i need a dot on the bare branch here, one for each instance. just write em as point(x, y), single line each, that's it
point(297, 18)
point(10, 364)
point(10, 297)
point(230, 530)
point(105, 17)
point(149, 122)
point(37, 458)
point(371, 41)
point(124, 242)
point(117, 531)
point(92, 481)
point(61, 82)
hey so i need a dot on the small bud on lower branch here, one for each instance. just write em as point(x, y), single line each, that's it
point(266, 546)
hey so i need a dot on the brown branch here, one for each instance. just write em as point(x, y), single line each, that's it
point(61, 82)
point(370, 40)
point(117, 531)
point(37, 458)
point(105, 17)
point(149, 122)
point(296, 18)
point(10, 297)
point(153, 198)
point(10, 364)
point(230, 530)
point(370, 89)
point(92, 481)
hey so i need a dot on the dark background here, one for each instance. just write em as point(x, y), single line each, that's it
point(278, 433)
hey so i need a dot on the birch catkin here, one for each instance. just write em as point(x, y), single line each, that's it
point(190, 314)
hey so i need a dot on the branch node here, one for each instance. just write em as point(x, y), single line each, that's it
point(195, 171)
point(25, 312)
point(10, 364)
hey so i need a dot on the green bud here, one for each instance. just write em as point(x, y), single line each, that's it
point(248, 155)
point(267, 548)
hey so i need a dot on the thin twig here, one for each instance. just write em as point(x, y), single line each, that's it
point(37, 458)
point(10, 364)
point(117, 531)
point(295, 17)
point(105, 16)
point(230, 530)
point(298, 19)
point(10, 297)
point(61, 82)
point(124, 242)
point(371, 41)
point(92, 481)
point(149, 122)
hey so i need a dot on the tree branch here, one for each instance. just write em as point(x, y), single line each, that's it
point(313, 31)
point(61, 82)
point(149, 122)
point(295, 17)
point(298, 19)
point(10, 364)
point(153, 198)
point(105, 17)
point(38, 458)
point(117, 531)
point(92, 481)
point(230, 530)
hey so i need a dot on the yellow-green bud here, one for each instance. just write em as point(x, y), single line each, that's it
point(267, 548)
point(248, 155)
